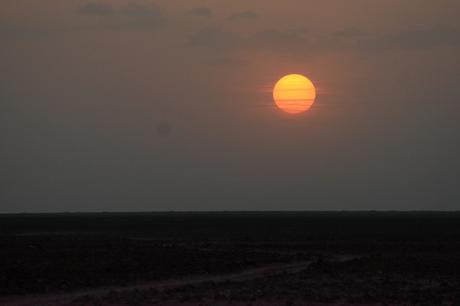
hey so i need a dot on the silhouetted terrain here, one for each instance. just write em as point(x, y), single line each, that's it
point(276, 258)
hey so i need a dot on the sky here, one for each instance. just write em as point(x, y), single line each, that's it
point(167, 105)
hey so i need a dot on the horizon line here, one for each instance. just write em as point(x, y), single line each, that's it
point(232, 211)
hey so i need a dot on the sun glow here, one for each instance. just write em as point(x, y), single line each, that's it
point(294, 93)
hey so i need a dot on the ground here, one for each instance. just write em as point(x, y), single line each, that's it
point(230, 259)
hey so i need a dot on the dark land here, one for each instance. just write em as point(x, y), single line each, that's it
point(231, 258)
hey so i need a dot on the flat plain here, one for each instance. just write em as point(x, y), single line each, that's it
point(230, 258)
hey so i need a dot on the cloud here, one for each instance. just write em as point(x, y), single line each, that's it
point(128, 15)
point(97, 9)
point(9, 31)
point(290, 40)
point(107, 16)
point(214, 38)
point(350, 33)
point(201, 12)
point(243, 15)
point(299, 41)
point(437, 36)
point(293, 40)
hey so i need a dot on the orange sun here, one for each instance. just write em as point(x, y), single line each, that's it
point(294, 93)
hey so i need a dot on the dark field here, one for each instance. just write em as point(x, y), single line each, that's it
point(304, 258)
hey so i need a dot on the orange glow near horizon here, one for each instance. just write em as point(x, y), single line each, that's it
point(294, 93)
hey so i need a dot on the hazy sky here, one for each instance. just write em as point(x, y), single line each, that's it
point(166, 105)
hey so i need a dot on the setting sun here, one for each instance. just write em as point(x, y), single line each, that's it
point(294, 93)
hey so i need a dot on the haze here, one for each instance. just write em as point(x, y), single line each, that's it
point(166, 105)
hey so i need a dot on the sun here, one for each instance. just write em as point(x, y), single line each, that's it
point(294, 93)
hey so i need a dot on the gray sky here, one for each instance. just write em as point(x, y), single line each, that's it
point(166, 105)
